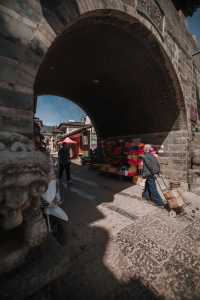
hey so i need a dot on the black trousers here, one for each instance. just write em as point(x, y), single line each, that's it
point(65, 168)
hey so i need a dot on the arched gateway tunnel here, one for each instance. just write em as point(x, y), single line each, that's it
point(118, 72)
point(129, 65)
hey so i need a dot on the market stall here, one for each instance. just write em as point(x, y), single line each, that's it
point(123, 157)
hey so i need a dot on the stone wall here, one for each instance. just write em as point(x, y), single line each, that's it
point(29, 27)
point(24, 38)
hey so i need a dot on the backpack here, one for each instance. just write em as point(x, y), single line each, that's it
point(152, 164)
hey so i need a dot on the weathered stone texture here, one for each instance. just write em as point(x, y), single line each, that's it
point(164, 254)
point(161, 50)
point(23, 179)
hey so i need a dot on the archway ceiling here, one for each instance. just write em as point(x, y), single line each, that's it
point(113, 77)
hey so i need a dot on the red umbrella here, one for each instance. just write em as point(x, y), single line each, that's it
point(67, 141)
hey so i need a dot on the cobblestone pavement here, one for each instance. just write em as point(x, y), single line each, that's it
point(122, 247)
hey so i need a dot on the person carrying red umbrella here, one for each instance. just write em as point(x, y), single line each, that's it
point(64, 158)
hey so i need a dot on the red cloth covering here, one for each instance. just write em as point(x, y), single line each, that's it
point(132, 152)
point(132, 174)
point(141, 145)
point(128, 145)
point(140, 151)
point(133, 162)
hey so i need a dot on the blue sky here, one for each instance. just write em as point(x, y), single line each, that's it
point(194, 24)
point(53, 110)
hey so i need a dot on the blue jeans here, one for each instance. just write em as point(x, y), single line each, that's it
point(151, 192)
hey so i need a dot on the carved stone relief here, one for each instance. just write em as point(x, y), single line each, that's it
point(23, 177)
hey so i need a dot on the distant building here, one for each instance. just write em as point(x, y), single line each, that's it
point(68, 127)
point(82, 132)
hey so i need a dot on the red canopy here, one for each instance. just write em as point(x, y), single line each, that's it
point(67, 141)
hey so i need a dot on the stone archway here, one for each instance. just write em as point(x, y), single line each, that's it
point(117, 70)
point(29, 28)
point(137, 24)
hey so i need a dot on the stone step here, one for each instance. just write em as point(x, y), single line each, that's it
point(134, 206)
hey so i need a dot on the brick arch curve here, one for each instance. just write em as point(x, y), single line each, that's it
point(156, 77)
point(29, 28)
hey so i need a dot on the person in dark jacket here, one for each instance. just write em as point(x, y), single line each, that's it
point(64, 161)
point(150, 169)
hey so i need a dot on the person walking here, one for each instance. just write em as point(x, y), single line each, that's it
point(151, 168)
point(64, 161)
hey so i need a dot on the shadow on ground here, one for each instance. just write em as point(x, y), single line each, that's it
point(87, 276)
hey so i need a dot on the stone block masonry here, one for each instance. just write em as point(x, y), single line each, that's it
point(139, 52)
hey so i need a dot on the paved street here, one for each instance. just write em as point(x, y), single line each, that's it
point(122, 247)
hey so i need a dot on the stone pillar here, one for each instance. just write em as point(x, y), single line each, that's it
point(23, 171)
